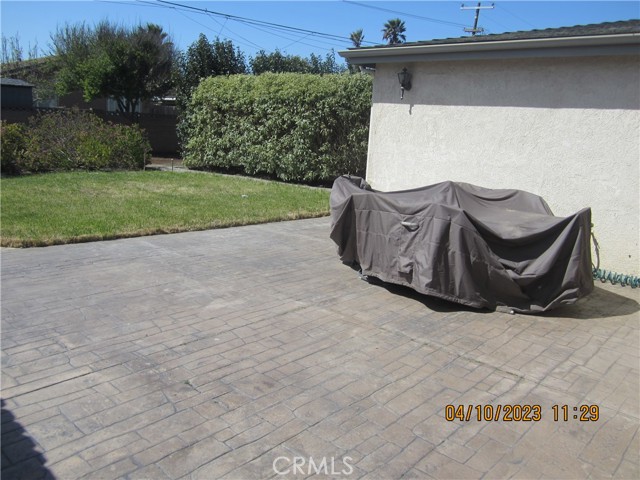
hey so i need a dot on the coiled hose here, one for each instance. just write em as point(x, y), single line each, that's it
point(616, 278)
point(609, 276)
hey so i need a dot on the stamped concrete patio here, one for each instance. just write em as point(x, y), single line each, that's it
point(253, 352)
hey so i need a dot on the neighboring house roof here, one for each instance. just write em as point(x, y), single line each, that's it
point(608, 38)
point(14, 82)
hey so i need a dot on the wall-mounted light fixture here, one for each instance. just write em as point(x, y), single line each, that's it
point(404, 77)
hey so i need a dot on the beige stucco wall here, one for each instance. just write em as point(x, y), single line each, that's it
point(566, 129)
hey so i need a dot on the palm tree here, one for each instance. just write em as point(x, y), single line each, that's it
point(357, 38)
point(393, 31)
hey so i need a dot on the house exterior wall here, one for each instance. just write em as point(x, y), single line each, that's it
point(567, 129)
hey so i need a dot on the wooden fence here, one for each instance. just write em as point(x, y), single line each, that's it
point(160, 129)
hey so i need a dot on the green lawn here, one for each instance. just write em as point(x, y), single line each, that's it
point(59, 208)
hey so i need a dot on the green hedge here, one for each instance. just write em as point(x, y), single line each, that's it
point(72, 140)
point(295, 127)
point(13, 145)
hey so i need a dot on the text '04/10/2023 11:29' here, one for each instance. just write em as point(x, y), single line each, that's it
point(520, 413)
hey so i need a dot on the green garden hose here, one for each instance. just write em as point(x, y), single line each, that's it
point(609, 276)
point(616, 278)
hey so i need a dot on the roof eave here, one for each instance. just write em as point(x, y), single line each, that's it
point(619, 44)
point(15, 82)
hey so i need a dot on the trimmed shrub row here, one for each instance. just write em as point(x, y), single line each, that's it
point(72, 140)
point(294, 127)
point(12, 147)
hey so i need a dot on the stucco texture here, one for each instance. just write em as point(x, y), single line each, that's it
point(567, 129)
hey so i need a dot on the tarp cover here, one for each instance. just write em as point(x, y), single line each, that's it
point(495, 249)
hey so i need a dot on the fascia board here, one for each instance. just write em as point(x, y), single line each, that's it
point(627, 44)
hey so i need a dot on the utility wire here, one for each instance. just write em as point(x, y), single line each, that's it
point(285, 31)
point(125, 2)
point(419, 17)
point(249, 43)
point(492, 20)
point(294, 42)
point(251, 21)
point(271, 31)
point(298, 40)
point(516, 16)
point(288, 36)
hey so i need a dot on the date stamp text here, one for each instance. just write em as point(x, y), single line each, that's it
point(520, 413)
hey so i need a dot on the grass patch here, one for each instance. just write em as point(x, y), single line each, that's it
point(59, 208)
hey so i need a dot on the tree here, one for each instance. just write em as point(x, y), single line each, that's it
point(129, 64)
point(227, 59)
point(276, 62)
point(205, 59)
point(357, 37)
point(40, 71)
point(13, 52)
point(393, 31)
point(327, 66)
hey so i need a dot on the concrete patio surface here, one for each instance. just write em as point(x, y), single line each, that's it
point(253, 352)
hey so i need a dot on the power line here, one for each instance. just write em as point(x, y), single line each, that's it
point(249, 43)
point(284, 32)
point(117, 2)
point(419, 17)
point(287, 36)
point(502, 25)
point(251, 21)
point(294, 42)
point(270, 30)
point(516, 16)
point(151, 4)
point(299, 40)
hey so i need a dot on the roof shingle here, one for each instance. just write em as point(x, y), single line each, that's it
point(606, 28)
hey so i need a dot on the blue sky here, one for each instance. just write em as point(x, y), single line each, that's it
point(34, 21)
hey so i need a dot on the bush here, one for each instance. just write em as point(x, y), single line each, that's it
point(295, 127)
point(76, 140)
point(13, 143)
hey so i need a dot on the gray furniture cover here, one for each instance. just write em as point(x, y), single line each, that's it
point(495, 249)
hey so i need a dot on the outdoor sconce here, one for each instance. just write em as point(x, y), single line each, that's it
point(404, 77)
